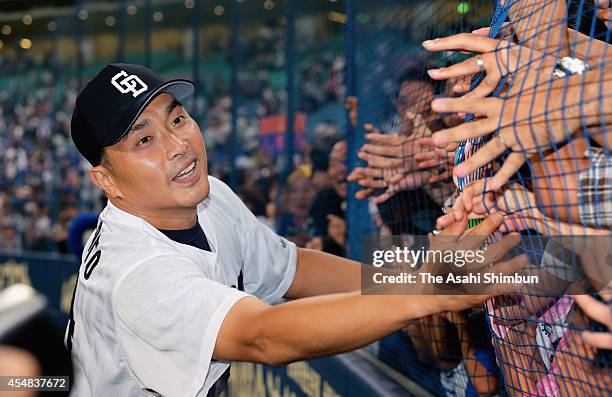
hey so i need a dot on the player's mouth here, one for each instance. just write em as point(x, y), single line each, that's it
point(189, 174)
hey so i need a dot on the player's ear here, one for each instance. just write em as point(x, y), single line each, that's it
point(103, 178)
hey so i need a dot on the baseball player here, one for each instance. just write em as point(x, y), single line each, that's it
point(178, 278)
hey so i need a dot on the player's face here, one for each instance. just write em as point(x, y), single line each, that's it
point(161, 164)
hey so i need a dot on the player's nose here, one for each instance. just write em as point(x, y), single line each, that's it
point(176, 145)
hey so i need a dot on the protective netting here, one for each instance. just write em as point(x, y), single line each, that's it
point(535, 154)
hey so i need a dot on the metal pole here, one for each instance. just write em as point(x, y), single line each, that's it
point(121, 10)
point(290, 88)
point(195, 46)
point(79, 32)
point(235, 91)
point(357, 216)
point(148, 15)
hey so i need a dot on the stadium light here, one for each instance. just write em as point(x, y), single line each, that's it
point(218, 10)
point(158, 16)
point(6, 30)
point(27, 19)
point(52, 26)
point(26, 44)
point(110, 21)
point(268, 4)
point(189, 4)
point(132, 9)
point(83, 15)
point(463, 7)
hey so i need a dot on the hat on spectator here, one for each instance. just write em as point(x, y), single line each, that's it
point(111, 102)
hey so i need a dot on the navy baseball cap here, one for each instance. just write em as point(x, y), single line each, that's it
point(111, 102)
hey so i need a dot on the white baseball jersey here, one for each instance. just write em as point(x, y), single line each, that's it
point(147, 310)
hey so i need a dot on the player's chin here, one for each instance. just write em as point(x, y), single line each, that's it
point(193, 194)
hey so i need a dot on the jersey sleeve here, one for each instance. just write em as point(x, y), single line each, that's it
point(269, 260)
point(168, 316)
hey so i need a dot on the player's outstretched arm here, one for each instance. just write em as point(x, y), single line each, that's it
point(312, 327)
point(313, 274)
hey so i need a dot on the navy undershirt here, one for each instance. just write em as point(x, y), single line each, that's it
point(193, 236)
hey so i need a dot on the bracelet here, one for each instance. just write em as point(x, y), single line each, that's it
point(568, 66)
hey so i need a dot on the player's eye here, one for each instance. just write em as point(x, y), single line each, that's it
point(144, 139)
point(177, 120)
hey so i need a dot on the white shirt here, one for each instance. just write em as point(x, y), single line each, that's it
point(147, 310)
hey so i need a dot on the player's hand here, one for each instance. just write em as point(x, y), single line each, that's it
point(454, 238)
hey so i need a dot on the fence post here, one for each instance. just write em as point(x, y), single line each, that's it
point(235, 89)
point(121, 10)
point(79, 33)
point(195, 57)
point(290, 87)
point(357, 214)
point(148, 33)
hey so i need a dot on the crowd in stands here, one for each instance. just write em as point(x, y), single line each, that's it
point(44, 182)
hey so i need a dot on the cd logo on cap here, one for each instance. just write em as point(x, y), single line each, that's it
point(131, 83)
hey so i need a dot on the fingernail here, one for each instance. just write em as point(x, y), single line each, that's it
point(433, 72)
point(428, 43)
point(436, 105)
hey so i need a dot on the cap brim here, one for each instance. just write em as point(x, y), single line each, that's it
point(178, 88)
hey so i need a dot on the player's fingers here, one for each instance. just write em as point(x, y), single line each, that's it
point(496, 251)
point(595, 309)
point(512, 265)
point(462, 41)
